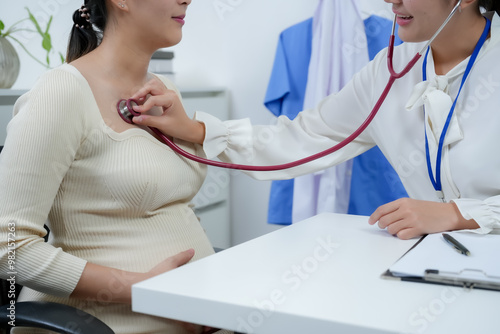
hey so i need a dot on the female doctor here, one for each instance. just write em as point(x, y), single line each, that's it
point(453, 183)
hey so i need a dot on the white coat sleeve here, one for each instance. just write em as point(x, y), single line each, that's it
point(312, 131)
point(42, 140)
point(486, 213)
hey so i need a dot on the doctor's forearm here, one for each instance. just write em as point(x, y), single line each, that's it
point(198, 133)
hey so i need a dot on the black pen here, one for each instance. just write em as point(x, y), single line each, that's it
point(455, 244)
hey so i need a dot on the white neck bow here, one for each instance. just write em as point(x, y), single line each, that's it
point(433, 95)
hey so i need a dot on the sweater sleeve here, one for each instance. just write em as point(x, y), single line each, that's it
point(42, 140)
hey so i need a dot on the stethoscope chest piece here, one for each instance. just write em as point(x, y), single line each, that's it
point(126, 111)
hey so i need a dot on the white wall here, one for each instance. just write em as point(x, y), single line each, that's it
point(227, 43)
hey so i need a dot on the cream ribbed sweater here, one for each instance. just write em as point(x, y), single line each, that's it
point(115, 199)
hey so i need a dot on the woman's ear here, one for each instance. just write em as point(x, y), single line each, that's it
point(121, 4)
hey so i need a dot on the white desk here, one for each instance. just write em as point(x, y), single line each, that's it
point(319, 276)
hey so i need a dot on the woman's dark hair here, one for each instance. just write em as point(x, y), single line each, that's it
point(86, 34)
point(490, 5)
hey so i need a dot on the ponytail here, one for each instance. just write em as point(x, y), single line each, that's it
point(86, 33)
point(490, 5)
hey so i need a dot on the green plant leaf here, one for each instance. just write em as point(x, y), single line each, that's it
point(48, 25)
point(62, 58)
point(2, 27)
point(46, 42)
point(35, 22)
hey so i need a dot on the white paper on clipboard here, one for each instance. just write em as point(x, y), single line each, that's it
point(435, 254)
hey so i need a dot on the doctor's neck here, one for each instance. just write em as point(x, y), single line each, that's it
point(458, 40)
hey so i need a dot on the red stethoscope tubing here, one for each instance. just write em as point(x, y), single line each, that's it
point(393, 76)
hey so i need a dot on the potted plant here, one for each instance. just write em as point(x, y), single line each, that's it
point(9, 59)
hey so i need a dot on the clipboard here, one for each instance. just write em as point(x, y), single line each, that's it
point(431, 260)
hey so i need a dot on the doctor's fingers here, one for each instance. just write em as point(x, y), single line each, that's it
point(164, 124)
point(392, 218)
point(409, 233)
point(166, 101)
point(382, 211)
point(152, 87)
point(397, 226)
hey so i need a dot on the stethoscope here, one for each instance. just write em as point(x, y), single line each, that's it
point(126, 112)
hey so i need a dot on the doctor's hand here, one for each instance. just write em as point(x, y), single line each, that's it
point(173, 120)
point(409, 218)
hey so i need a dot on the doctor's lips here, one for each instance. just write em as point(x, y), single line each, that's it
point(403, 19)
point(180, 19)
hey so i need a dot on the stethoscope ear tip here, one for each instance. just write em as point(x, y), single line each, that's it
point(125, 110)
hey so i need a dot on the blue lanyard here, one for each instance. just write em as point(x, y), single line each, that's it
point(436, 182)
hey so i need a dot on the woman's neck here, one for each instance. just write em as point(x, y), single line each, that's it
point(115, 67)
point(118, 60)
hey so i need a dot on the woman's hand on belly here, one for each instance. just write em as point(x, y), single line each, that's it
point(117, 284)
point(170, 263)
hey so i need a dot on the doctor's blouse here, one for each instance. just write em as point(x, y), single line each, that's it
point(470, 169)
point(115, 199)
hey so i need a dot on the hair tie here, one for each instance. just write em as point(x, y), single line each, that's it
point(82, 19)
